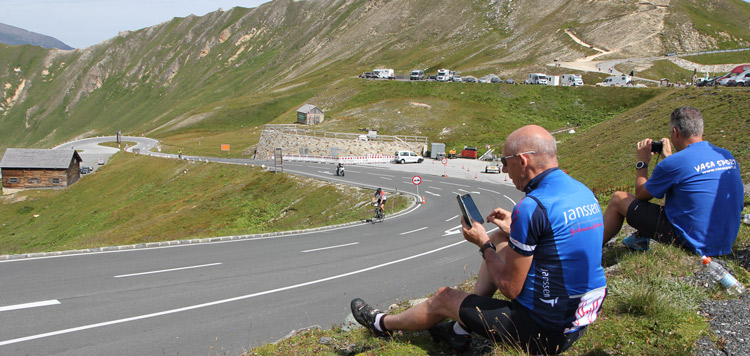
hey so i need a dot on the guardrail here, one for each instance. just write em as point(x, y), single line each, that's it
point(295, 130)
point(367, 159)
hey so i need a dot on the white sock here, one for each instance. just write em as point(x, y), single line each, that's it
point(458, 329)
point(378, 321)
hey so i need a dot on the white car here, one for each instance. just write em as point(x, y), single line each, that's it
point(408, 157)
point(492, 168)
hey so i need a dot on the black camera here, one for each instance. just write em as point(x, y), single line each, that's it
point(656, 146)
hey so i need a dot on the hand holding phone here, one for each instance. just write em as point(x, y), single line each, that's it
point(469, 209)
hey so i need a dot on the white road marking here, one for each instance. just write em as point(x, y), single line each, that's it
point(409, 232)
point(431, 193)
point(30, 305)
point(453, 231)
point(386, 178)
point(511, 200)
point(456, 184)
point(167, 270)
point(223, 301)
point(491, 191)
point(436, 188)
point(330, 247)
point(449, 219)
point(380, 175)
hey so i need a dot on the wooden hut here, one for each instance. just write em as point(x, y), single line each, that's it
point(37, 168)
point(310, 115)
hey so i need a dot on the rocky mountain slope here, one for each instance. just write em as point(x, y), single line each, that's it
point(229, 69)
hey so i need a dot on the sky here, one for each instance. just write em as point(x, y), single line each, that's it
point(83, 23)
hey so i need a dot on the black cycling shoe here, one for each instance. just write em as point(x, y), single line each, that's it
point(365, 315)
point(444, 332)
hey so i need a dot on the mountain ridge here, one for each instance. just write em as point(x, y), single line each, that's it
point(16, 36)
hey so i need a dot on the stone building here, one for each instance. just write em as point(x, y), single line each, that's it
point(310, 115)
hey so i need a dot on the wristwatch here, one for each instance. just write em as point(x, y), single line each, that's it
point(487, 245)
point(641, 165)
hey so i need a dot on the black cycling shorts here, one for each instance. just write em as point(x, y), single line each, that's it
point(508, 322)
point(651, 221)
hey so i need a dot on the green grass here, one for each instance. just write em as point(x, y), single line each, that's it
point(740, 57)
point(172, 200)
point(652, 305)
point(662, 69)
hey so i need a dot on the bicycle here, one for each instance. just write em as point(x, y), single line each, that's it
point(378, 215)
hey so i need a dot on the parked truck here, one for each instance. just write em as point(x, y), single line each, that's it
point(417, 74)
point(383, 73)
point(437, 150)
point(537, 78)
point(571, 80)
point(445, 75)
point(553, 80)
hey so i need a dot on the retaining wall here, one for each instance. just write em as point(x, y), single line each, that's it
point(292, 144)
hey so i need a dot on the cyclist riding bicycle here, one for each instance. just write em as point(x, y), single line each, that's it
point(380, 197)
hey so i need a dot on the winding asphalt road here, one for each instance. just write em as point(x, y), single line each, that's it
point(224, 297)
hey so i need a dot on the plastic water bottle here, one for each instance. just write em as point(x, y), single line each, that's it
point(725, 278)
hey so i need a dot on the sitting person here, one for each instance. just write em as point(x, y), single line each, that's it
point(702, 190)
point(545, 258)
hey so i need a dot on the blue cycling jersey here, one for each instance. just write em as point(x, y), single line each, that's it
point(560, 224)
point(703, 194)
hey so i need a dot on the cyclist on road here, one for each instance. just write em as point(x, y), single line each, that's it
point(380, 197)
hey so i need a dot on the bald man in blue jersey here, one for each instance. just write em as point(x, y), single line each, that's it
point(545, 258)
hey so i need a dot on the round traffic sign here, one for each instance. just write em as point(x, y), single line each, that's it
point(416, 180)
point(445, 161)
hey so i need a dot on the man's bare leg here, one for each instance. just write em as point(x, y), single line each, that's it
point(614, 216)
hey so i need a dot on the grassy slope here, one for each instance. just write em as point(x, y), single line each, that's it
point(459, 113)
point(172, 200)
point(651, 308)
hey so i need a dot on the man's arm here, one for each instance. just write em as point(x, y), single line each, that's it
point(507, 268)
point(641, 175)
point(509, 273)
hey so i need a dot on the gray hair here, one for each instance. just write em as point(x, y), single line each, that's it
point(688, 121)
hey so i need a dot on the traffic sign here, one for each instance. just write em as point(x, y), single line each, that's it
point(445, 161)
point(416, 180)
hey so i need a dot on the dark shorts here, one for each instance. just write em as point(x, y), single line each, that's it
point(509, 322)
point(651, 221)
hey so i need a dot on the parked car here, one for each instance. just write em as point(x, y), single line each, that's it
point(86, 170)
point(742, 79)
point(492, 169)
point(408, 157)
point(495, 80)
point(510, 81)
point(457, 78)
point(469, 79)
point(417, 74)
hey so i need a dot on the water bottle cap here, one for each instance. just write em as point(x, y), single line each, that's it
point(706, 260)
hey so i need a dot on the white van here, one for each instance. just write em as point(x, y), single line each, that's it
point(408, 157)
point(417, 74)
point(383, 73)
point(573, 80)
point(445, 75)
point(537, 78)
point(616, 81)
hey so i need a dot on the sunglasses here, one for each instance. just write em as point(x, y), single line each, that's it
point(504, 160)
